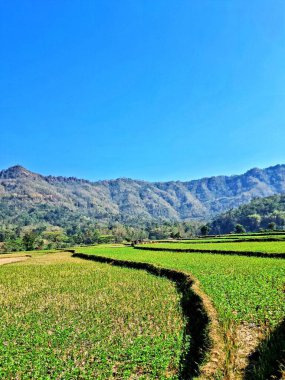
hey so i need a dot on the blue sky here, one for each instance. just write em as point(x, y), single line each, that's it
point(156, 90)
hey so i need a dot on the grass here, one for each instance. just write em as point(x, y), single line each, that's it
point(241, 246)
point(66, 318)
point(247, 292)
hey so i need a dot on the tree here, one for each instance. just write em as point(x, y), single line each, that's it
point(253, 221)
point(176, 235)
point(205, 230)
point(272, 226)
point(55, 237)
point(239, 229)
point(12, 246)
point(29, 240)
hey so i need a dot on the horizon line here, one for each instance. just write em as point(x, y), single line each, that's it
point(138, 180)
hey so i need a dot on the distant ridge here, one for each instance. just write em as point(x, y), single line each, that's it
point(130, 201)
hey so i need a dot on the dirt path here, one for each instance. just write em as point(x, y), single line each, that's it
point(10, 260)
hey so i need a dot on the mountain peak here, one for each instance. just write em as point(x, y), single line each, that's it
point(254, 171)
point(18, 168)
point(16, 171)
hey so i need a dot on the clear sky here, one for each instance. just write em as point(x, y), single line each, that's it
point(155, 90)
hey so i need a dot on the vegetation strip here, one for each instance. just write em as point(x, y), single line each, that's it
point(205, 343)
point(214, 251)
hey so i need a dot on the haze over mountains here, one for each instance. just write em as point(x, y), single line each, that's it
point(26, 194)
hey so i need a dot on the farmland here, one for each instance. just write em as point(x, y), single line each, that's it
point(267, 247)
point(234, 279)
point(247, 292)
point(233, 238)
point(66, 318)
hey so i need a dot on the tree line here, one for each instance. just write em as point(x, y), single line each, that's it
point(26, 238)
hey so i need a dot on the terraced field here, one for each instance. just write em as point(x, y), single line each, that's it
point(267, 247)
point(280, 233)
point(248, 294)
point(66, 318)
point(231, 238)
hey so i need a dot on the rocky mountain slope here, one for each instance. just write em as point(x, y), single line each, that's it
point(25, 195)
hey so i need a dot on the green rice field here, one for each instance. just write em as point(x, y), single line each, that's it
point(66, 318)
point(247, 292)
point(241, 246)
point(230, 238)
point(242, 288)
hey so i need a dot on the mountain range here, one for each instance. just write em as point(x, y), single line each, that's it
point(24, 195)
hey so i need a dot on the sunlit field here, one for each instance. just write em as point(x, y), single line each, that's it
point(66, 318)
point(247, 292)
point(242, 246)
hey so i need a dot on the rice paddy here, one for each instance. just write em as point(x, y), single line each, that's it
point(65, 318)
point(62, 317)
point(247, 292)
point(268, 247)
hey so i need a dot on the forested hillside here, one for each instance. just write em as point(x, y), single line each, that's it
point(260, 213)
point(30, 198)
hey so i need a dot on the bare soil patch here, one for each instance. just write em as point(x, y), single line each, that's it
point(9, 260)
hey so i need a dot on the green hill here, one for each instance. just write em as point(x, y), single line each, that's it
point(260, 213)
